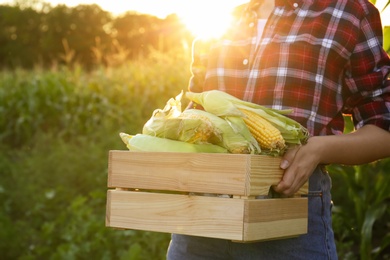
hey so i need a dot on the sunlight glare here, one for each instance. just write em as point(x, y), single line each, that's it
point(203, 18)
point(207, 23)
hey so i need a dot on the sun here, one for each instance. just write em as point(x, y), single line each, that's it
point(209, 20)
point(208, 26)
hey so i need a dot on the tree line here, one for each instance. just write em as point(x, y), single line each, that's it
point(84, 34)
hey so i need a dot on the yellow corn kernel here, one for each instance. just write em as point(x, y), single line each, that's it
point(196, 128)
point(268, 136)
point(229, 132)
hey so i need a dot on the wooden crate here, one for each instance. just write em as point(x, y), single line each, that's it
point(201, 194)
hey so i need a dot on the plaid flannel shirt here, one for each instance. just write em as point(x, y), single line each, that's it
point(322, 59)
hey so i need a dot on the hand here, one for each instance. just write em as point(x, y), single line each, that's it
point(299, 163)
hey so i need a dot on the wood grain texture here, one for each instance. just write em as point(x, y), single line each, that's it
point(172, 213)
point(277, 229)
point(234, 174)
point(168, 192)
point(275, 209)
point(226, 218)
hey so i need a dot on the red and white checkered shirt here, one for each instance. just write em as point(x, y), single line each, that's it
point(320, 58)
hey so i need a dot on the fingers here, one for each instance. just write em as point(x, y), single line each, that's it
point(288, 157)
point(287, 182)
point(291, 182)
point(284, 164)
point(297, 169)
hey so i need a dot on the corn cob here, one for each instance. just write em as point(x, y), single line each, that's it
point(268, 136)
point(225, 105)
point(204, 131)
point(234, 134)
point(198, 126)
point(190, 128)
point(147, 143)
point(171, 123)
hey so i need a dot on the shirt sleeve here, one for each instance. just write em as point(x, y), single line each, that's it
point(367, 92)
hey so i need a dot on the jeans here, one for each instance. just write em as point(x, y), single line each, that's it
point(317, 244)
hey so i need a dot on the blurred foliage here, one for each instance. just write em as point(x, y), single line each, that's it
point(361, 212)
point(53, 198)
point(34, 32)
point(57, 127)
point(71, 102)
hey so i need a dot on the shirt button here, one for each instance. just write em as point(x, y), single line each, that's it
point(295, 5)
point(245, 62)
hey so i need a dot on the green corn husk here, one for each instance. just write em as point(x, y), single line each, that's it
point(234, 134)
point(198, 126)
point(225, 105)
point(171, 123)
point(147, 143)
point(216, 102)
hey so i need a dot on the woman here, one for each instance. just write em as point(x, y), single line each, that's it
point(322, 59)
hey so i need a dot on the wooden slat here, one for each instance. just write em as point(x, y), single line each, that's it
point(275, 209)
point(171, 213)
point(226, 218)
point(234, 174)
point(188, 172)
point(275, 218)
point(277, 229)
point(264, 172)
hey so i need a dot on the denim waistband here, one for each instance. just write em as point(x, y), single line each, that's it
point(320, 181)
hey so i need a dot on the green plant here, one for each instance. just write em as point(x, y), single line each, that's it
point(57, 128)
point(363, 196)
